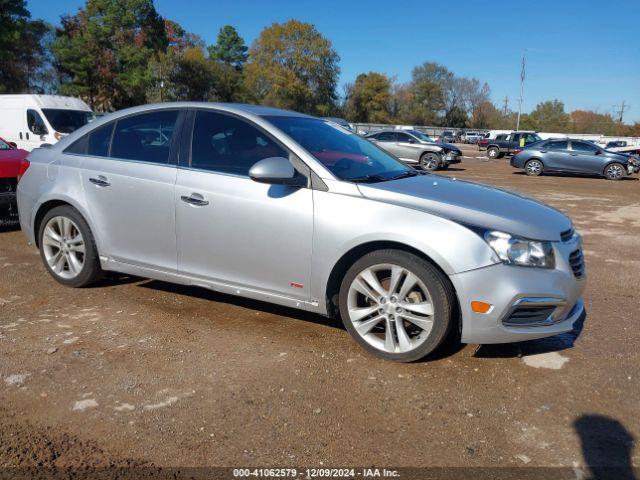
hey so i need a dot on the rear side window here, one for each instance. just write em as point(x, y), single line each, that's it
point(386, 137)
point(95, 143)
point(226, 144)
point(562, 145)
point(99, 140)
point(145, 137)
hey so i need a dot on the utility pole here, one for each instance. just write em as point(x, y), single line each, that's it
point(505, 109)
point(620, 112)
point(522, 77)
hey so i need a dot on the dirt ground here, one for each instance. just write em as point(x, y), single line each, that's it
point(135, 372)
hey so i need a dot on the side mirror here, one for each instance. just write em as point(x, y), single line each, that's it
point(276, 171)
point(598, 152)
point(411, 140)
point(13, 144)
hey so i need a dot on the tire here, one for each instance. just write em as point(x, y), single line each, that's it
point(430, 161)
point(444, 166)
point(384, 326)
point(493, 152)
point(615, 171)
point(68, 249)
point(534, 167)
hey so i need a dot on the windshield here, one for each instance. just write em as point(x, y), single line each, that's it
point(67, 121)
point(4, 145)
point(422, 136)
point(347, 155)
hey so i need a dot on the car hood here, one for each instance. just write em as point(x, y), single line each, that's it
point(472, 204)
point(448, 146)
point(10, 162)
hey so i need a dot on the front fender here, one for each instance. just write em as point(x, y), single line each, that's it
point(343, 223)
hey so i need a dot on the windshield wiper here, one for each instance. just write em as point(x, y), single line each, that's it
point(405, 174)
point(367, 179)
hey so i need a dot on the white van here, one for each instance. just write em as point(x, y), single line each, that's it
point(31, 120)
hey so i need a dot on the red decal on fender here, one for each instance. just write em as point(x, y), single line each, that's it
point(296, 285)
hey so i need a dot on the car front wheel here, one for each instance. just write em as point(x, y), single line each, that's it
point(396, 305)
point(430, 161)
point(614, 171)
point(67, 248)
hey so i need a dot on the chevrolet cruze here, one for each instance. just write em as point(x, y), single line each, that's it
point(295, 210)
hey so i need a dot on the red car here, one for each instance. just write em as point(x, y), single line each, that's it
point(13, 163)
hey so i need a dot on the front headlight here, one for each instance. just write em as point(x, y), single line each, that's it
point(520, 251)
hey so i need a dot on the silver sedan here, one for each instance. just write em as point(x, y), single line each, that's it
point(294, 210)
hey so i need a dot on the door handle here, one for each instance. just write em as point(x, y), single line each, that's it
point(195, 199)
point(574, 154)
point(101, 181)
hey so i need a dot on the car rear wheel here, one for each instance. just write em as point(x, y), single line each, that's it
point(614, 171)
point(396, 305)
point(533, 168)
point(67, 248)
point(430, 161)
point(493, 152)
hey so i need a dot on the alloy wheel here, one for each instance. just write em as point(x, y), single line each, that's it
point(390, 308)
point(63, 247)
point(615, 171)
point(534, 167)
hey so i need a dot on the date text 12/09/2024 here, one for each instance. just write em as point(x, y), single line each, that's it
point(315, 473)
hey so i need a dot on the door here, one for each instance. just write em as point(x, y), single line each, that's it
point(408, 147)
point(587, 158)
point(129, 183)
point(556, 155)
point(236, 231)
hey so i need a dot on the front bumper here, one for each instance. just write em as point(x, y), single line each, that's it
point(505, 286)
point(452, 158)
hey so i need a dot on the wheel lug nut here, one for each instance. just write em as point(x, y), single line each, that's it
point(391, 317)
point(398, 310)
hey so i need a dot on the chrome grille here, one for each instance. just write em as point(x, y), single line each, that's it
point(576, 260)
point(566, 235)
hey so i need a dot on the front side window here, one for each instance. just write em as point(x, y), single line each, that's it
point(226, 144)
point(67, 121)
point(35, 123)
point(145, 137)
point(347, 155)
point(403, 137)
point(583, 147)
point(422, 136)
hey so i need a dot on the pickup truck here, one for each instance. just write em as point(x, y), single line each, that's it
point(510, 144)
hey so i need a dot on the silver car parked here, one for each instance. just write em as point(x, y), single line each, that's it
point(415, 147)
point(294, 210)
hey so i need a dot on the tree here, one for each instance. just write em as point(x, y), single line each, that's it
point(22, 49)
point(585, 121)
point(428, 83)
point(369, 99)
point(291, 65)
point(103, 52)
point(230, 48)
point(548, 116)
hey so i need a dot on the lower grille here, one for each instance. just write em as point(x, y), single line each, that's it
point(527, 316)
point(576, 261)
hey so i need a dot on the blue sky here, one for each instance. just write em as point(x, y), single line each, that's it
point(586, 53)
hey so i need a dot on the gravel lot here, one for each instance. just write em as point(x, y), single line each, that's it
point(139, 372)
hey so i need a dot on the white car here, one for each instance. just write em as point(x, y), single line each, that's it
point(31, 120)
